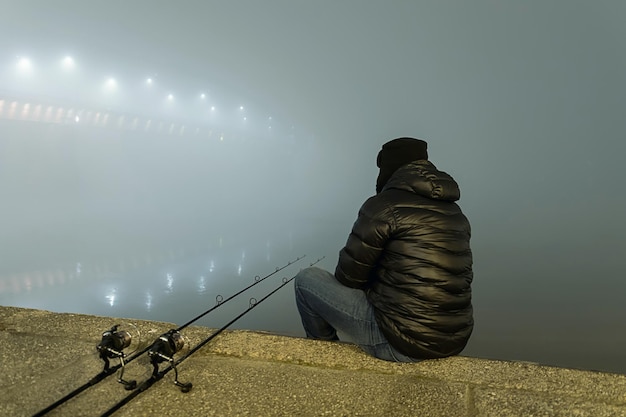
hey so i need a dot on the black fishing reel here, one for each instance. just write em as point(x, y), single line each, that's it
point(113, 342)
point(112, 346)
point(163, 350)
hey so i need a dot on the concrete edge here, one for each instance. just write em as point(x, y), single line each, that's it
point(480, 375)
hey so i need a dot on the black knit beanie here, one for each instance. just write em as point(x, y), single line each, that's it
point(396, 153)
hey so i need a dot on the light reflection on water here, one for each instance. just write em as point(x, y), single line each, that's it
point(179, 284)
point(173, 286)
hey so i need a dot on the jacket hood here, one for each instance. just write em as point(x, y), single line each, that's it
point(423, 178)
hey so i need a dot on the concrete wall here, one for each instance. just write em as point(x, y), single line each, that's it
point(46, 355)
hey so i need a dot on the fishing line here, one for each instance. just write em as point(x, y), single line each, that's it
point(186, 387)
point(114, 341)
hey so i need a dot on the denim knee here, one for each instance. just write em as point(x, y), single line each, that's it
point(312, 273)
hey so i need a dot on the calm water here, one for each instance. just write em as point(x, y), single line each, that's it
point(172, 285)
point(178, 284)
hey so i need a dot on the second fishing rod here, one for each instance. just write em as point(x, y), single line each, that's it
point(115, 340)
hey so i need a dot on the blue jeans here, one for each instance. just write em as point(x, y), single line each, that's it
point(328, 307)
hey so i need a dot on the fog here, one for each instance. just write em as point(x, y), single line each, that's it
point(521, 102)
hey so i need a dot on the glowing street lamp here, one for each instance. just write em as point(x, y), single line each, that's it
point(68, 63)
point(24, 66)
point(110, 85)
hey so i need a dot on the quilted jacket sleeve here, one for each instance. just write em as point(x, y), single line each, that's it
point(365, 244)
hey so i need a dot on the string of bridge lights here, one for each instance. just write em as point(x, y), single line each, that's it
point(140, 105)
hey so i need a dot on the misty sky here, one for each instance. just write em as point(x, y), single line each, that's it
point(522, 102)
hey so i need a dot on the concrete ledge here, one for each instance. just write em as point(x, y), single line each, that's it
point(45, 355)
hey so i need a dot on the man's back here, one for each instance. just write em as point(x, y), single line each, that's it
point(402, 286)
point(411, 241)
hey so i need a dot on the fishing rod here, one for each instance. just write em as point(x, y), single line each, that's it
point(220, 301)
point(158, 357)
point(114, 341)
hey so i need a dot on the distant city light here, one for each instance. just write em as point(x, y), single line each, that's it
point(29, 76)
point(110, 84)
point(24, 65)
point(68, 63)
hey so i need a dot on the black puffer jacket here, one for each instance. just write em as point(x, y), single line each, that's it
point(409, 250)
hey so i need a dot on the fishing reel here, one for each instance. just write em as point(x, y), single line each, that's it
point(112, 346)
point(163, 350)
